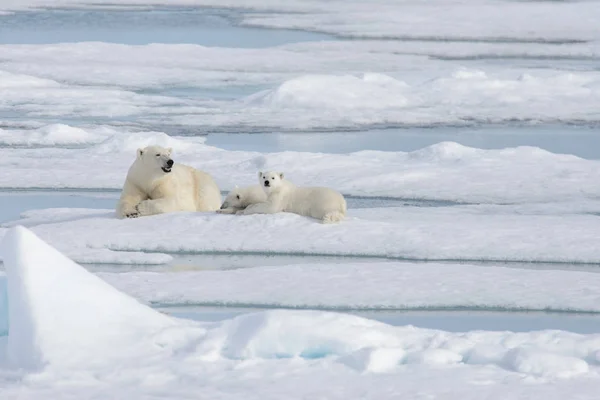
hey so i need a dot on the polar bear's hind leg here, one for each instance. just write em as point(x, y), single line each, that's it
point(333, 217)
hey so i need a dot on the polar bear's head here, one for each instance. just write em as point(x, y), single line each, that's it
point(270, 181)
point(155, 158)
point(234, 199)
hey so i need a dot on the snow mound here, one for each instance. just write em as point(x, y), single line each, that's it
point(21, 81)
point(130, 142)
point(444, 151)
point(369, 346)
point(59, 314)
point(49, 135)
point(307, 334)
point(373, 91)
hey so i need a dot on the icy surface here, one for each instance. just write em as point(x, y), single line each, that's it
point(439, 233)
point(152, 355)
point(444, 171)
point(47, 292)
point(308, 86)
point(498, 20)
point(53, 135)
point(369, 285)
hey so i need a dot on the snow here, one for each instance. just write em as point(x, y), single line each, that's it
point(444, 171)
point(51, 135)
point(309, 86)
point(369, 285)
point(79, 337)
point(73, 114)
point(47, 291)
point(496, 20)
point(459, 233)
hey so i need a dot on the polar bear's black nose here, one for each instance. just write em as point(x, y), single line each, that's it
point(170, 163)
point(267, 183)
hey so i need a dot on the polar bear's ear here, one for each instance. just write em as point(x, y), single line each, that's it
point(260, 174)
point(170, 150)
point(281, 175)
point(140, 152)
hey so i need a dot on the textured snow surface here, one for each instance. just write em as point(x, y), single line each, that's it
point(369, 285)
point(443, 171)
point(445, 233)
point(74, 336)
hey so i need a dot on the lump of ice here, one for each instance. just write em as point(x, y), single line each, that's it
point(59, 314)
point(50, 135)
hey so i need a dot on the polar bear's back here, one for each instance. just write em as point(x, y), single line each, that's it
point(315, 201)
point(252, 194)
point(208, 195)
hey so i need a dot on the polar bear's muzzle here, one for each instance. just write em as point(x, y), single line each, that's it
point(167, 168)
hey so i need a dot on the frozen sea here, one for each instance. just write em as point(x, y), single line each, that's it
point(465, 136)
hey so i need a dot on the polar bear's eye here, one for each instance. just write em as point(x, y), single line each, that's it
point(238, 196)
point(158, 155)
point(273, 178)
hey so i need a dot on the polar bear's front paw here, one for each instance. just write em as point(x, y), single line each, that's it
point(133, 214)
point(240, 212)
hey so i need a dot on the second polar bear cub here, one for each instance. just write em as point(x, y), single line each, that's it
point(241, 197)
point(155, 184)
point(321, 203)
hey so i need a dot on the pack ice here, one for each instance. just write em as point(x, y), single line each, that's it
point(71, 334)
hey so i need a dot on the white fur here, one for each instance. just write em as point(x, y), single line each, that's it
point(151, 187)
point(321, 203)
point(241, 197)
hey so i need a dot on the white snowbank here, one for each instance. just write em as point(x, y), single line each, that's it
point(444, 171)
point(369, 285)
point(371, 91)
point(85, 338)
point(343, 85)
point(52, 135)
point(438, 233)
point(57, 311)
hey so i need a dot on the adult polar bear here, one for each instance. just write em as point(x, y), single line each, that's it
point(321, 203)
point(155, 185)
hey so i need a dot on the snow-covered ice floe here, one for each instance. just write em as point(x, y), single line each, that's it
point(72, 333)
point(502, 21)
point(534, 205)
point(444, 171)
point(458, 233)
point(306, 87)
point(369, 286)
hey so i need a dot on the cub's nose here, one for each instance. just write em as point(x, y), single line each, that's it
point(170, 163)
point(267, 183)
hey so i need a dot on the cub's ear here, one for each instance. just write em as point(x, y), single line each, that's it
point(140, 152)
point(281, 175)
point(170, 150)
point(260, 174)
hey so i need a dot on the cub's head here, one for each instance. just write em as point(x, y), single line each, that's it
point(156, 158)
point(270, 181)
point(234, 199)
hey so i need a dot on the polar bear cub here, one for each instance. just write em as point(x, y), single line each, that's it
point(241, 197)
point(283, 196)
point(155, 185)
